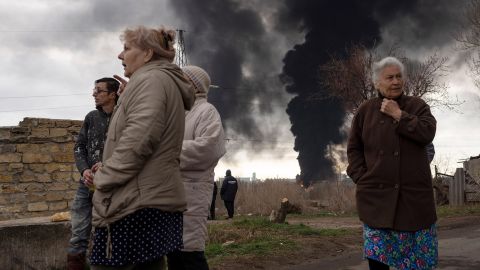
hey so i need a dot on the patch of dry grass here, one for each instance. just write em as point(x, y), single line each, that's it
point(261, 197)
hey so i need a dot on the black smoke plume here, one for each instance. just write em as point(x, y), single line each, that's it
point(330, 27)
point(230, 42)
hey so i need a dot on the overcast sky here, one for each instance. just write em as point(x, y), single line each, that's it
point(53, 50)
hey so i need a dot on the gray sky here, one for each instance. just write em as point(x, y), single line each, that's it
point(53, 50)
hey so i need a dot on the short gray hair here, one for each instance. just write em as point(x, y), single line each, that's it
point(377, 67)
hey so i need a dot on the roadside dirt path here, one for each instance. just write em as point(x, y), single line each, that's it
point(459, 248)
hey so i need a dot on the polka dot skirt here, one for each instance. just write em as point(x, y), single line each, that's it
point(140, 237)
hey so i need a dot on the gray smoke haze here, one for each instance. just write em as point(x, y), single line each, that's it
point(262, 54)
point(231, 41)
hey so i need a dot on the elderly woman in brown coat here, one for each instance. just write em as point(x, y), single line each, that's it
point(388, 162)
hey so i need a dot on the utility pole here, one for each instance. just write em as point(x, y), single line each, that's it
point(181, 55)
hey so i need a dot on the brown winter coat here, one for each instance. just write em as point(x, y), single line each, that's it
point(388, 162)
point(141, 157)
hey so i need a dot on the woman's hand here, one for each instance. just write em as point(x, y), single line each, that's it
point(123, 83)
point(390, 107)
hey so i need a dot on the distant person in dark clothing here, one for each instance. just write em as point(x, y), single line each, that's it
point(214, 198)
point(228, 192)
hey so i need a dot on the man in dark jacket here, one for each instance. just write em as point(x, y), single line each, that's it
point(88, 151)
point(228, 192)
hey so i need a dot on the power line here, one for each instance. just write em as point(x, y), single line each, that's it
point(58, 31)
point(43, 96)
point(41, 109)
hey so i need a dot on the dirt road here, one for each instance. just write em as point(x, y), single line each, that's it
point(459, 249)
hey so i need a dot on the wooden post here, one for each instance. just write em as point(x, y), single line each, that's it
point(457, 188)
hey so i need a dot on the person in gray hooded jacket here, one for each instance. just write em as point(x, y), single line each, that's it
point(203, 145)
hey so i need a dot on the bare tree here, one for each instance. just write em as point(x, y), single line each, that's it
point(469, 37)
point(349, 78)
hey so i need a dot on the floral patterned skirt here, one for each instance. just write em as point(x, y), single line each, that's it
point(402, 250)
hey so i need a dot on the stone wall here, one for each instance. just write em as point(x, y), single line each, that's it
point(38, 176)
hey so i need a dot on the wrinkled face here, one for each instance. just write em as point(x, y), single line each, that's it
point(390, 82)
point(132, 58)
point(102, 96)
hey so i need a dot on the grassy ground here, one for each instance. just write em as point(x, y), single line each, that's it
point(258, 236)
point(453, 211)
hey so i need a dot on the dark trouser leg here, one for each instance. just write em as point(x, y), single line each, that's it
point(230, 208)
point(182, 260)
point(376, 265)
point(81, 221)
point(212, 209)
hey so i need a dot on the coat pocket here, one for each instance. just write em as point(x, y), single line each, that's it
point(102, 202)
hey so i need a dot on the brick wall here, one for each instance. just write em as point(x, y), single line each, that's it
point(38, 176)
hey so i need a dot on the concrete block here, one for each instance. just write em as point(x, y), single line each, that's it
point(34, 243)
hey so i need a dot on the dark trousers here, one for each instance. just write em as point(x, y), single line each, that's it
point(230, 208)
point(376, 265)
point(183, 260)
point(212, 209)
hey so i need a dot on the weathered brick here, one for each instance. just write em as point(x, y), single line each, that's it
point(17, 198)
point(51, 148)
point(58, 132)
point(74, 130)
point(26, 147)
point(37, 168)
point(27, 177)
point(45, 122)
point(58, 186)
point(54, 196)
point(5, 134)
point(15, 167)
point(38, 206)
point(44, 178)
point(62, 176)
point(67, 147)
point(10, 157)
point(20, 131)
point(63, 139)
point(63, 157)
point(29, 122)
point(36, 197)
point(70, 195)
point(6, 178)
point(40, 132)
point(4, 199)
point(36, 158)
point(55, 206)
point(16, 208)
point(31, 187)
point(75, 175)
point(63, 123)
point(7, 148)
point(8, 189)
point(61, 167)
